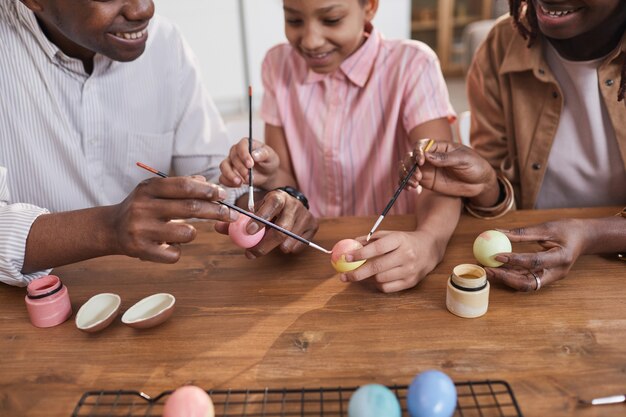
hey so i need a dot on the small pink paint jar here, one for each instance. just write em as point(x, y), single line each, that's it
point(47, 301)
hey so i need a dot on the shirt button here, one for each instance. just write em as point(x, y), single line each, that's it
point(536, 166)
point(541, 71)
point(609, 83)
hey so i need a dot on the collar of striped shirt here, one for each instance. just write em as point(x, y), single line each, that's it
point(29, 21)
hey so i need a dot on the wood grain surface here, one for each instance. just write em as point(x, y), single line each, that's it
point(288, 321)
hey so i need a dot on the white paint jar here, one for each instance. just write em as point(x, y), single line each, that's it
point(468, 291)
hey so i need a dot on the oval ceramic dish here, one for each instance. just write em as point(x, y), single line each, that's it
point(150, 312)
point(98, 312)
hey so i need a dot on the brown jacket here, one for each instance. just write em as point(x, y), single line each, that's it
point(516, 103)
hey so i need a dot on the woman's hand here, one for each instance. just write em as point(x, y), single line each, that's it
point(396, 261)
point(453, 169)
point(235, 168)
point(563, 242)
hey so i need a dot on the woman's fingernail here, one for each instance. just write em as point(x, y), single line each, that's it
point(221, 193)
point(348, 258)
point(232, 214)
point(252, 228)
point(343, 278)
point(502, 258)
point(250, 255)
point(256, 154)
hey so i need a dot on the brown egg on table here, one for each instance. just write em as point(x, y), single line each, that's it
point(338, 256)
point(189, 401)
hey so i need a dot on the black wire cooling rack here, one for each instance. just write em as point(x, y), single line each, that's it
point(475, 399)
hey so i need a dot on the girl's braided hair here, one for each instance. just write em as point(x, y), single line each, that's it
point(519, 8)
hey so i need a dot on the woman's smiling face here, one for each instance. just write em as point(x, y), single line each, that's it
point(566, 19)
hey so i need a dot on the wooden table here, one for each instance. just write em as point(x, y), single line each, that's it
point(282, 321)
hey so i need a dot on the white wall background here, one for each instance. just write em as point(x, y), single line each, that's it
point(230, 54)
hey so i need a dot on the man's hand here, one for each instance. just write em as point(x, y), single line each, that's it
point(149, 224)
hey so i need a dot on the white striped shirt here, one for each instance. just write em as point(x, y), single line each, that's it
point(70, 140)
point(15, 222)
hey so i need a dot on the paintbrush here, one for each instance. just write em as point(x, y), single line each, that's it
point(250, 186)
point(397, 193)
point(247, 213)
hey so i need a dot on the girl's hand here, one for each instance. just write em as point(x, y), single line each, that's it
point(563, 242)
point(452, 169)
point(395, 260)
point(235, 167)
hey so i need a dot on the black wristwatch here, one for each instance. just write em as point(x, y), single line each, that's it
point(295, 193)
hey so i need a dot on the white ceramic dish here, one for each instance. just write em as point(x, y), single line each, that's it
point(98, 312)
point(150, 311)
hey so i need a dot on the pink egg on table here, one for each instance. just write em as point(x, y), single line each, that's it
point(189, 401)
point(238, 234)
point(338, 256)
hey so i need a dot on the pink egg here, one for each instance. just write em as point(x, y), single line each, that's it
point(238, 234)
point(189, 401)
point(338, 257)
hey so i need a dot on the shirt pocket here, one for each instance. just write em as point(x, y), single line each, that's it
point(152, 149)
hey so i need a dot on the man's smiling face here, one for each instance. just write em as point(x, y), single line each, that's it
point(117, 29)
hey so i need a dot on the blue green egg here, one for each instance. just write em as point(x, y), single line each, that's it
point(374, 400)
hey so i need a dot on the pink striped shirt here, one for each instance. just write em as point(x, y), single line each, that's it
point(348, 130)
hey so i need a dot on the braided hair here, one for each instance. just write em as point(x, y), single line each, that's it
point(529, 31)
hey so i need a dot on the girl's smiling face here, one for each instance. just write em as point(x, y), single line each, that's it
point(326, 32)
point(566, 19)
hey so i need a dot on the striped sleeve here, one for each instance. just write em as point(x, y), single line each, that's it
point(425, 93)
point(15, 222)
point(273, 62)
